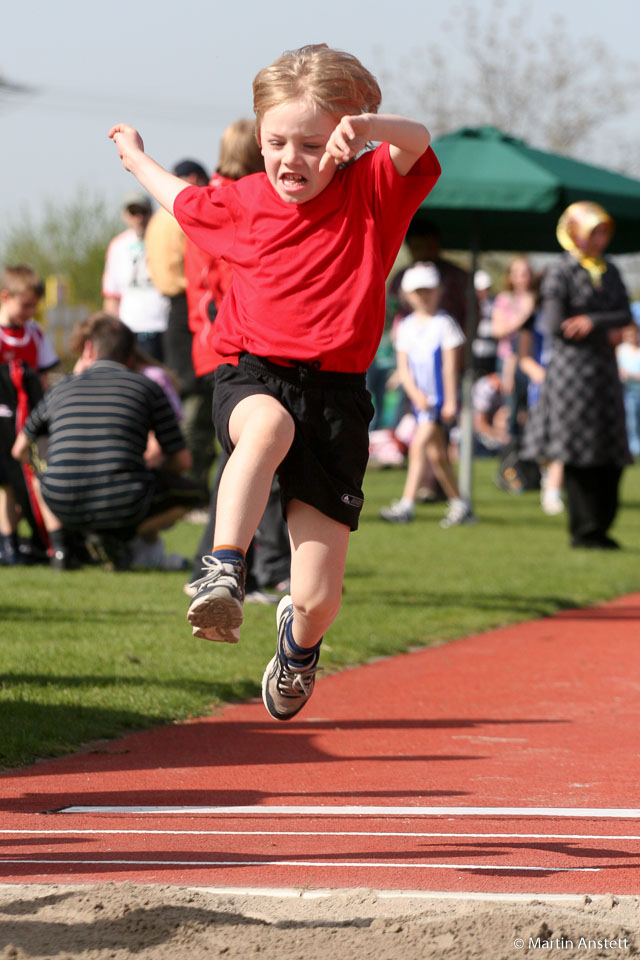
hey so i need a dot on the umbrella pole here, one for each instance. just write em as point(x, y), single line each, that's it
point(465, 470)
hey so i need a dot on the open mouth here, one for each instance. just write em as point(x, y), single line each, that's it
point(292, 180)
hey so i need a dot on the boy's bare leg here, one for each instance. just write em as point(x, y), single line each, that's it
point(262, 432)
point(318, 556)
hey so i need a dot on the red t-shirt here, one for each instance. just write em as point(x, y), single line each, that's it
point(308, 279)
point(28, 343)
point(208, 278)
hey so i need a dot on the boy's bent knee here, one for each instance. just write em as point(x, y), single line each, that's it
point(319, 610)
point(264, 420)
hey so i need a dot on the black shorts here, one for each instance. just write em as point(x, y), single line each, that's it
point(327, 460)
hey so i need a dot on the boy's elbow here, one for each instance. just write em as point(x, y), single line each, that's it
point(425, 138)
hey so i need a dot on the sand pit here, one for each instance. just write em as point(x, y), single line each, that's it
point(118, 921)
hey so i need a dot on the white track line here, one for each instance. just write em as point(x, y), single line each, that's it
point(331, 833)
point(300, 863)
point(355, 811)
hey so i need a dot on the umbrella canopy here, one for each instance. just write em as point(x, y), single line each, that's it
point(497, 193)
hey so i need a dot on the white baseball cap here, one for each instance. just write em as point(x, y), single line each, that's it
point(421, 276)
point(481, 280)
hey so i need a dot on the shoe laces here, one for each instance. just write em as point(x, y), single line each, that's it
point(294, 680)
point(218, 571)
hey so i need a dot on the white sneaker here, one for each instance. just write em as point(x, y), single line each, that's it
point(215, 613)
point(459, 512)
point(551, 502)
point(397, 512)
point(286, 685)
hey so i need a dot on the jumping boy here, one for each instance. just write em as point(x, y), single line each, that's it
point(311, 242)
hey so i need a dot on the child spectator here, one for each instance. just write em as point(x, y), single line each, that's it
point(21, 337)
point(628, 356)
point(24, 348)
point(310, 242)
point(426, 346)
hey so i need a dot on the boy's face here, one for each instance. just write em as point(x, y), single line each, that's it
point(292, 139)
point(19, 307)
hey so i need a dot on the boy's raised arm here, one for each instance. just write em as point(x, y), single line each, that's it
point(407, 139)
point(161, 184)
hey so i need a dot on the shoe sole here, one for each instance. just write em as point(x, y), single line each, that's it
point(216, 618)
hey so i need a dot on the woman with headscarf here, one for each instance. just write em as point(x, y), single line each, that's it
point(580, 418)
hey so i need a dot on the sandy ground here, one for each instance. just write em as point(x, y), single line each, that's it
point(117, 921)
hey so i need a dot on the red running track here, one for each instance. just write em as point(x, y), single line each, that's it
point(506, 762)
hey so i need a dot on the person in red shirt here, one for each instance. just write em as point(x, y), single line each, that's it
point(209, 277)
point(26, 354)
point(311, 242)
point(21, 337)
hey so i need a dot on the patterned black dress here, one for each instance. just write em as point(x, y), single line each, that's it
point(580, 416)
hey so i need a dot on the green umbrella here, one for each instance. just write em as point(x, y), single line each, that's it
point(498, 193)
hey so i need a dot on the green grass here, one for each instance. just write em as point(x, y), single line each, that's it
point(91, 654)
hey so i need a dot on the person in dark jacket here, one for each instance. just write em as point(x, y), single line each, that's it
point(580, 418)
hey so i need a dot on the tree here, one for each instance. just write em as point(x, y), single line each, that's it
point(69, 239)
point(554, 88)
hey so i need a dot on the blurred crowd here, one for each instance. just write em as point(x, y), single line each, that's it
point(95, 465)
point(554, 361)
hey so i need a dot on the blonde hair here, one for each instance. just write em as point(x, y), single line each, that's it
point(20, 279)
point(334, 80)
point(239, 151)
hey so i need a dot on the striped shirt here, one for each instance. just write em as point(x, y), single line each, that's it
point(97, 423)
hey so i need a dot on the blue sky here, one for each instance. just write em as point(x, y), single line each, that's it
point(180, 74)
